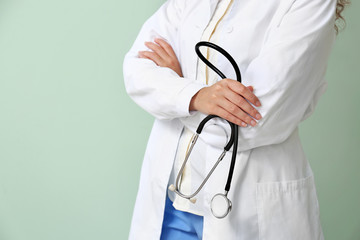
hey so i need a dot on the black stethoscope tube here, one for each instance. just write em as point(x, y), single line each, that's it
point(220, 203)
point(234, 128)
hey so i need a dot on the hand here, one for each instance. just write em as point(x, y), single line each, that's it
point(228, 99)
point(162, 54)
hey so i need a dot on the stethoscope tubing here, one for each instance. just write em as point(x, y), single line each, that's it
point(233, 141)
point(222, 75)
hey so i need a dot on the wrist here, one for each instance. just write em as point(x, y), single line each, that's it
point(192, 105)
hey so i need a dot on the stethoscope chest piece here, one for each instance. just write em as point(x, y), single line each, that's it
point(220, 205)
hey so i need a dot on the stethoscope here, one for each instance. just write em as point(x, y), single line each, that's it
point(220, 203)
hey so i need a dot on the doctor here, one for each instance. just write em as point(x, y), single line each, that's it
point(282, 48)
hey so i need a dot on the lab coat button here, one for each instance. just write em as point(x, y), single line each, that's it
point(229, 29)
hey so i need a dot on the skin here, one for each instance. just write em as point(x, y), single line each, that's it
point(227, 98)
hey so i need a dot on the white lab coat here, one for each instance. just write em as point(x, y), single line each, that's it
point(282, 48)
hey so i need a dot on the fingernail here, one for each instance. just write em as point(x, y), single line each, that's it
point(253, 123)
point(258, 103)
point(243, 124)
point(258, 116)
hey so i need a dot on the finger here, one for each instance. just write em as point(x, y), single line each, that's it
point(152, 56)
point(157, 49)
point(243, 91)
point(141, 55)
point(221, 112)
point(243, 104)
point(251, 88)
point(166, 46)
point(236, 111)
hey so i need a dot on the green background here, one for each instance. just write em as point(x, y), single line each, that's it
point(72, 141)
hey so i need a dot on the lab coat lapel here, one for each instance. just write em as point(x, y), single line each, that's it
point(212, 6)
point(207, 8)
point(203, 16)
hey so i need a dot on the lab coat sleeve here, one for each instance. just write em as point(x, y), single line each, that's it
point(288, 74)
point(159, 90)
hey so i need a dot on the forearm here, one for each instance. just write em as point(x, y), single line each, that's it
point(158, 90)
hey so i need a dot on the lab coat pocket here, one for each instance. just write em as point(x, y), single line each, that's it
point(288, 210)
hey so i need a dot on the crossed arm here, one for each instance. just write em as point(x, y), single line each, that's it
point(227, 98)
point(288, 74)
